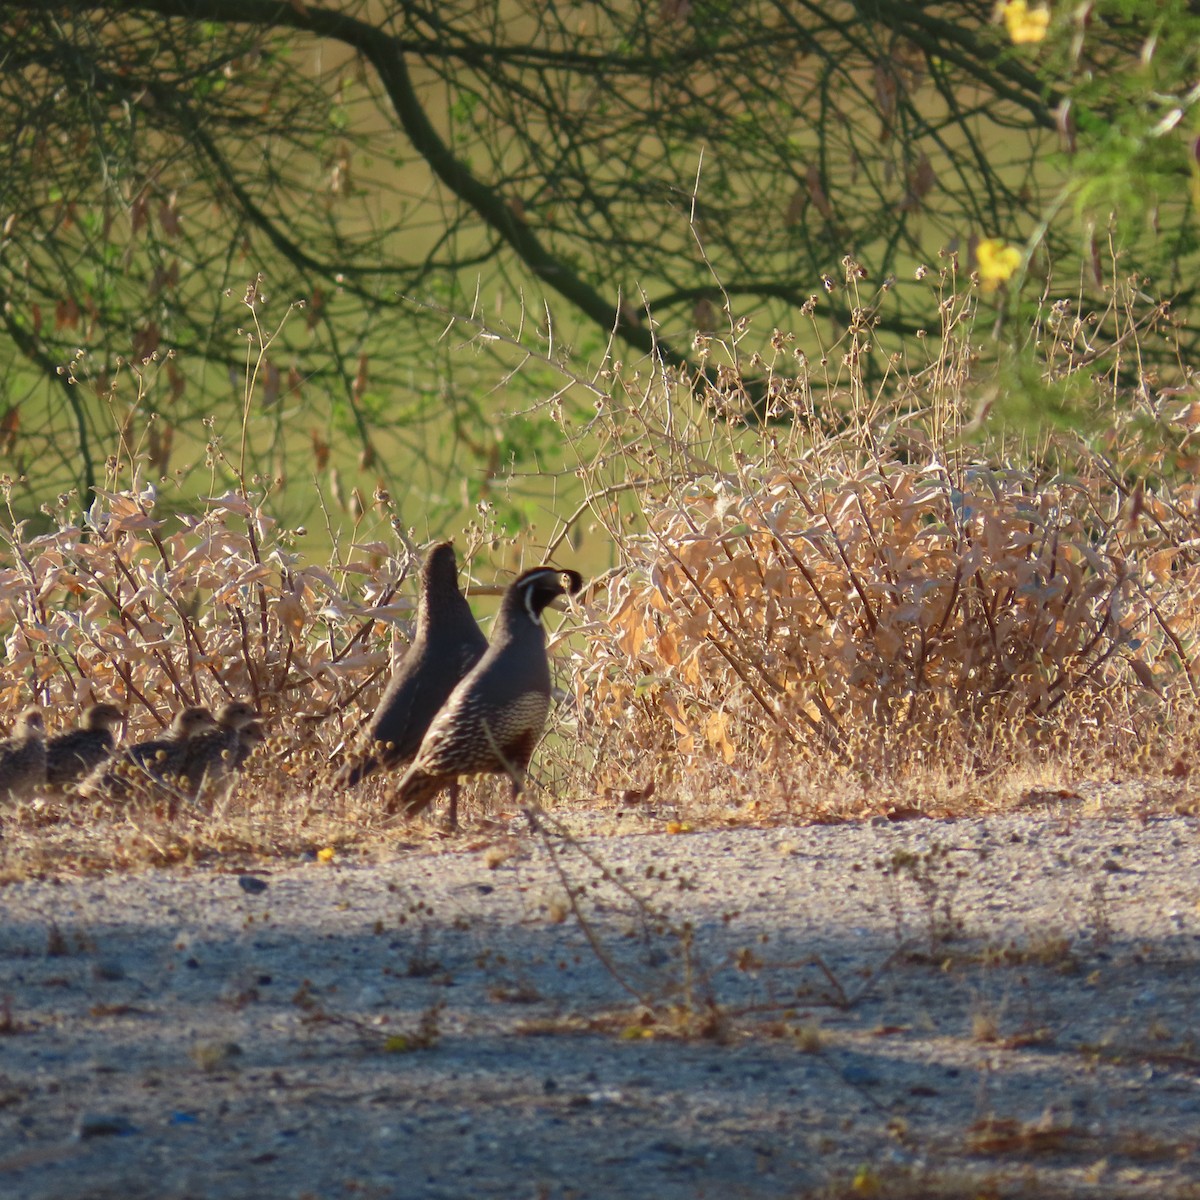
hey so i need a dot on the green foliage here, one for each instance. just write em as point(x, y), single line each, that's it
point(1130, 68)
point(626, 172)
point(1031, 403)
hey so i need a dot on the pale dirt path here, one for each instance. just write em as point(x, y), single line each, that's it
point(1044, 975)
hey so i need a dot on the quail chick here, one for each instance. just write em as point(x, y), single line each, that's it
point(23, 757)
point(494, 717)
point(149, 762)
point(77, 752)
point(446, 645)
point(211, 754)
point(249, 738)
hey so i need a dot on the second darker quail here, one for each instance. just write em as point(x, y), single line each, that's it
point(494, 717)
point(23, 757)
point(76, 752)
point(447, 643)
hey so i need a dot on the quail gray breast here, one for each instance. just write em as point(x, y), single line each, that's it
point(211, 754)
point(446, 644)
point(150, 762)
point(23, 757)
point(76, 752)
point(494, 717)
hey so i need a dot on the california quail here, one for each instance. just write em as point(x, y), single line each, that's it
point(495, 716)
point(211, 754)
point(150, 761)
point(73, 754)
point(23, 757)
point(249, 737)
point(446, 645)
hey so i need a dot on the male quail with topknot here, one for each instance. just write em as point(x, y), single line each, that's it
point(447, 643)
point(494, 717)
point(23, 757)
point(76, 752)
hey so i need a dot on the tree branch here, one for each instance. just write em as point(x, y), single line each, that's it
point(386, 55)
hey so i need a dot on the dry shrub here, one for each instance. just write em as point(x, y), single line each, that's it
point(888, 609)
point(159, 611)
point(156, 611)
point(864, 588)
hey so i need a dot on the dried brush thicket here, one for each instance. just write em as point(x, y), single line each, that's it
point(162, 611)
point(846, 583)
point(891, 609)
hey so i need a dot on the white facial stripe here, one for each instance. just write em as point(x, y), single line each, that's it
point(530, 584)
point(534, 616)
point(540, 577)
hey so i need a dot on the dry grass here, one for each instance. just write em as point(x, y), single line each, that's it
point(839, 595)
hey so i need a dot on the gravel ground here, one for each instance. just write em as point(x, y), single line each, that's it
point(916, 1009)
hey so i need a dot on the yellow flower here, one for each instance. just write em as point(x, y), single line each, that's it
point(996, 262)
point(866, 1182)
point(326, 855)
point(1025, 24)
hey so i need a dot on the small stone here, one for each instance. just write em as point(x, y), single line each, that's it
point(237, 994)
point(668, 1147)
point(92, 1125)
point(214, 1056)
point(252, 884)
point(859, 1076)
